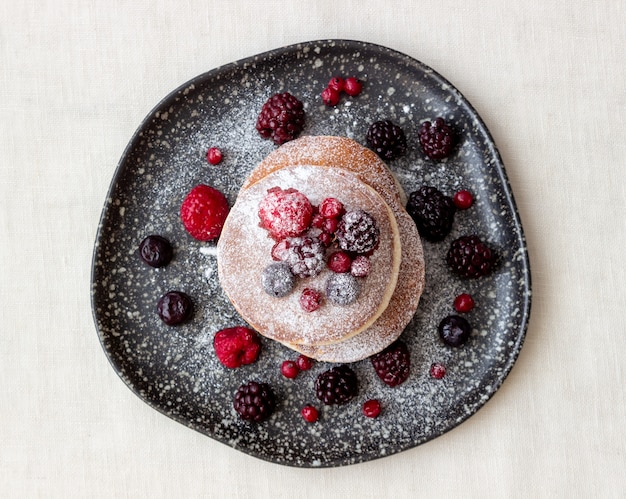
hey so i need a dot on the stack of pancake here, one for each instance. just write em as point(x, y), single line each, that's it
point(321, 167)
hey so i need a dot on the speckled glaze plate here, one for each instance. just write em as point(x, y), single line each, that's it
point(175, 370)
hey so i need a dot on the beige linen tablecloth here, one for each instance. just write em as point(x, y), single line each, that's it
point(77, 78)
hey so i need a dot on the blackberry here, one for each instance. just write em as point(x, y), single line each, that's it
point(393, 364)
point(358, 232)
point(432, 211)
point(386, 139)
point(436, 139)
point(336, 386)
point(454, 330)
point(342, 289)
point(281, 118)
point(254, 401)
point(469, 257)
point(305, 256)
point(175, 308)
point(277, 280)
point(156, 251)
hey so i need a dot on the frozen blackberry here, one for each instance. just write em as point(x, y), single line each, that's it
point(454, 330)
point(336, 386)
point(342, 289)
point(281, 118)
point(156, 251)
point(305, 256)
point(254, 401)
point(393, 364)
point(436, 139)
point(277, 280)
point(469, 257)
point(432, 211)
point(386, 139)
point(358, 232)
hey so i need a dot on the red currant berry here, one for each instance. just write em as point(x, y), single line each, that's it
point(352, 86)
point(214, 156)
point(330, 97)
point(360, 266)
point(331, 208)
point(310, 414)
point(463, 199)
point(339, 262)
point(289, 369)
point(325, 238)
point(463, 303)
point(310, 300)
point(304, 363)
point(330, 225)
point(371, 408)
point(437, 370)
point(317, 221)
point(336, 83)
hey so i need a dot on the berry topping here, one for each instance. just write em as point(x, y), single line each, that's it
point(279, 250)
point(236, 346)
point(464, 303)
point(352, 86)
point(277, 280)
point(317, 221)
point(437, 370)
point(254, 401)
point(336, 83)
point(386, 139)
point(371, 408)
point(393, 364)
point(360, 266)
point(214, 156)
point(285, 213)
point(156, 251)
point(304, 363)
point(310, 413)
point(432, 211)
point(436, 139)
point(358, 232)
point(469, 257)
point(454, 330)
point(330, 225)
point(204, 212)
point(281, 118)
point(305, 256)
point(339, 262)
point(330, 97)
point(310, 300)
point(336, 386)
point(342, 289)
point(463, 200)
point(325, 238)
point(289, 369)
point(331, 208)
point(175, 308)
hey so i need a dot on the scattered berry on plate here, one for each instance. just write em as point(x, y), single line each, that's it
point(469, 257)
point(277, 280)
point(237, 346)
point(156, 251)
point(342, 289)
point(393, 364)
point(352, 86)
point(254, 401)
point(371, 408)
point(310, 300)
point(330, 97)
point(464, 303)
point(432, 212)
point(339, 262)
point(336, 83)
point(304, 363)
point(310, 413)
point(281, 118)
point(386, 139)
point(454, 330)
point(289, 369)
point(214, 156)
point(463, 199)
point(203, 212)
point(337, 385)
point(285, 213)
point(437, 370)
point(305, 256)
point(358, 232)
point(175, 307)
point(436, 139)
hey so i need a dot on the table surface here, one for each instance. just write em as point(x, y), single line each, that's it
point(77, 78)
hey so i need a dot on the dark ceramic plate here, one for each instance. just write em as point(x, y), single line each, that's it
point(174, 369)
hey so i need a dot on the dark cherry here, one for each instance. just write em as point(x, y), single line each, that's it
point(156, 251)
point(175, 308)
point(454, 330)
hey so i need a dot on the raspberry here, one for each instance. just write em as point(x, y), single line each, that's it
point(281, 118)
point(305, 256)
point(386, 139)
point(330, 97)
point(436, 139)
point(175, 307)
point(358, 232)
point(360, 266)
point(371, 408)
point(254, 401)
point(336, 83)
point(279, 250)
point(304, 363)
point(339, 262)
point(463, 199)
point(393, 364)
point(432, 211)
point(277, 280)
point(310, 300)
point(156, 251)
point(469, 257)
point(310, 413)
point(352, 86)
point(463, 303)
point(204, 212)
point(342, 289)
point(236, 346)
point(289, 369)
point(214, 156)
point(437, 370)
point(285, 213)
point(331, 208)
point(336, 386)
point(454, 330)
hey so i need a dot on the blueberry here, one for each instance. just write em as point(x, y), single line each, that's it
point(156, 251)
point(175, 308)
point(277, 280)
point(342, 289)
point(454, 330)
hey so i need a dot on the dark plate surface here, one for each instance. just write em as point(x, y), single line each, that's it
point(174, 369)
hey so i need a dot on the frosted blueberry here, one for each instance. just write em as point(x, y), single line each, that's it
point(342, 289)
point(277, 280)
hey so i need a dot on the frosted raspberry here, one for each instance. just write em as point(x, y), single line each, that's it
point(305, 256)
point(285, 213)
